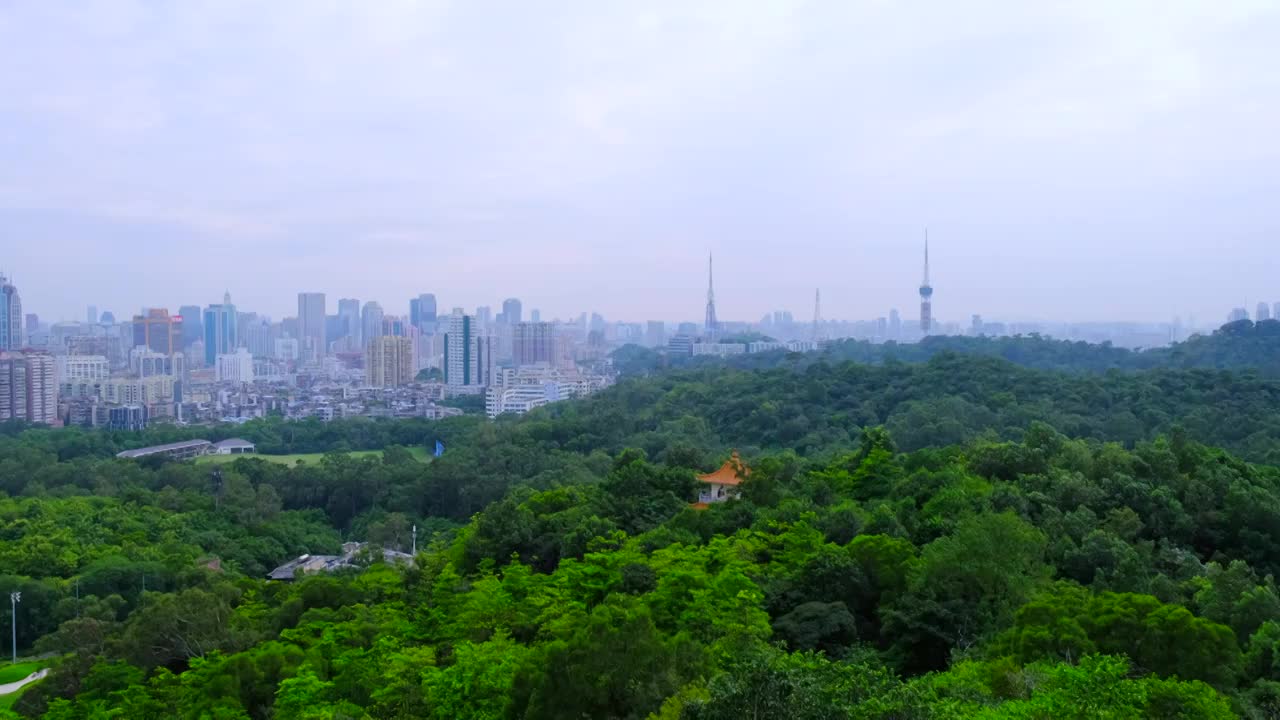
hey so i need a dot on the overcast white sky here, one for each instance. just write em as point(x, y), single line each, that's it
point(1074, 160)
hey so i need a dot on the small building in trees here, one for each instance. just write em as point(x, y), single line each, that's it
point(233, 446)
point(722, 484)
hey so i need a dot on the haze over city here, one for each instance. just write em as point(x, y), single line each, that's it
point(1088, 161)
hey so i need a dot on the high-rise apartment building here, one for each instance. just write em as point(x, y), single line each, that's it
point(533, 343)
point(311, 335)
point(42, 389)
point(11, 337)
point(371, 321)
point(468, 356)
point(512, 311)
point(28, 388)
point(389, 361)
point(158, 331)
point(221, 329)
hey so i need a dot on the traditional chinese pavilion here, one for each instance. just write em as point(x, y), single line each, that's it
point(722, 484)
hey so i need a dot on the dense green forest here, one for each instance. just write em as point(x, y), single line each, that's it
point(963, 536)
point(1238, 345)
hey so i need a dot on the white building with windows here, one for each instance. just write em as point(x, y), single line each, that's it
point(236, 367)
point(81, 368)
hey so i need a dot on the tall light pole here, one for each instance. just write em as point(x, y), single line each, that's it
point(14, 598)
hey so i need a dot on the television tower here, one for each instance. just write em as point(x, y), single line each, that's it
point(926, 292)
point(817, 314)
point(711, 324)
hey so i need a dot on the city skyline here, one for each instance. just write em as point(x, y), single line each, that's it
point(1080, 162)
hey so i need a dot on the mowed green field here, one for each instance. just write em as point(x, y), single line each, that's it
point(13, 673)
point(419, 453)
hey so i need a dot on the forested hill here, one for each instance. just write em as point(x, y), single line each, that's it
point(1242, 345)
point(949, 399)
point(1049, 578)
point(912, 542)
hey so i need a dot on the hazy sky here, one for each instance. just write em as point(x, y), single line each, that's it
point(1075, 160)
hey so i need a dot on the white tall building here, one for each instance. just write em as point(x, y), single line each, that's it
point(80, 368)
point(286, 349)
point(236, 366)
point(28, 387)
point(42, 389)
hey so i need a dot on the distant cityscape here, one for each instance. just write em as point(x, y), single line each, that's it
point(220, 363)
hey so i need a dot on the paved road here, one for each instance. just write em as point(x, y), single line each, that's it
point(16, 686)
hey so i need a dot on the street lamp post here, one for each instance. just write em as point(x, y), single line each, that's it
point(14, 598)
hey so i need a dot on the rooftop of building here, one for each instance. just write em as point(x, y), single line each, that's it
point(331, 563)
point(732, 472)
point(168, 447)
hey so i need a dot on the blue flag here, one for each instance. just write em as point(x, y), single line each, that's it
point(439, 449)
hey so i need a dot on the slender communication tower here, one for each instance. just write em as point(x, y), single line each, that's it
point(817, 314)
point(711, 324)
point(926, 292)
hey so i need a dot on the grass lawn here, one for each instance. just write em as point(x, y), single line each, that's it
point(419, 453)
point(13, 673)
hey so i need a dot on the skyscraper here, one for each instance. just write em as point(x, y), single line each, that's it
point(158, 331)
point(221, 326)
point(422, 312)
point(10, 315)
point(532, 343)
point(512, 311)
point(370, 322)
point(311, 312)
point(535, 314)
point(655, 334)
point(349, 321)
point(389, 361)
point(92, 314)
point(1264, 312)
point(192, 324)
point(926, 293)
point(711, 325)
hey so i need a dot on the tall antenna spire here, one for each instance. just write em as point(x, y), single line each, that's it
point(926, 257)
point(711, 324)
point(817, 314)
point(926, 292)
